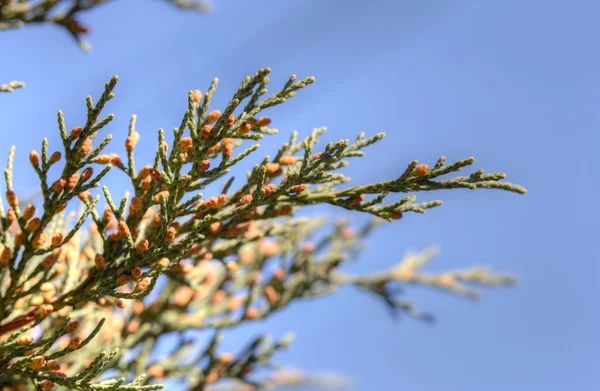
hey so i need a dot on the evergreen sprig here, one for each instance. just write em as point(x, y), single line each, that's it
point(166, 258)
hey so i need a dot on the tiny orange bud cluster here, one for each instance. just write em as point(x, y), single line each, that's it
point(38, 240)
point(5, 256)
point(162, 263)
point(72, 326)
point(197, 96)
point(421, 169)
point(299, 188)
point(53, 365)
point(227, 151)
point(204, 165)
point(86, 174)
point(159, 196)
point(120, 303)
point(55, 157)
point(25, 340)
point(47, 384)
point(357, 199)
point(136, 272)
point(29, 212)
point(287, 160)
point(87, 146)
point(75, 342)
point(285, 210)
point(131, 141)
point(264, 121)
point(396, 215)
point(46, 310)
point(72, 181)
point(76, 132)
point(186, 144)
point(58, 185)
point(37, 362)
point(205, 131)
point(57, 239)
point(143, 284)
point(123, 229)
point(103, 159)
point(245, 128)
point(269, 189)
point(34, 158)
point(230, 121)
point(142, 246)
point(245, 200)
point(115, 160)
point(12, 199)
point(213, 116)
point(215, 227)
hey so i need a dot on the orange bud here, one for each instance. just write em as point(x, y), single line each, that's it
point(162, 263)
point(142, 246)
point(245, 128)
point(115, 160)
point(33, 224)
point(29, 212)
point(245, 200)
point(76, 131)
point(287, 160)
point(272, 168)
point(421, 169)
point(72, 326)
point(357, 199)
point(47, 384)
point(55, 157)
point(186, 144)
point(215, 227)
point(72, 181)
point(264, 121)
point(103, 159)
point(396, 215)
point(299, 188)
point(205, 131)
point(75, 342)
point(251, 313)
point(57, 240)
point(136, 272)
point(197, 96)
point(87, 146)
point(213, 116)
point(230, 121)
point(34, 158)
point(142, 285)
point(46, 310)
point(25, 340)
point(86, 174)
point(12, 199)
point(58, 185)
point(123, 229)
point(284, 210)
point(37, 362)
point(204, 165)
point(227, 151)
point(53, 365)
point(120, 303)
point(163, 194)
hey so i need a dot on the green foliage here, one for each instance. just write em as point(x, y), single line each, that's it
point(166, 258)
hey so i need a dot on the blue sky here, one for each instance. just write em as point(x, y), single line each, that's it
point(513, 83)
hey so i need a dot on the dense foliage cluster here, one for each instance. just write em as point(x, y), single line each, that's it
point(76, 298)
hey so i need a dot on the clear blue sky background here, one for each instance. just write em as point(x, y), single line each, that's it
point(514, 83)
